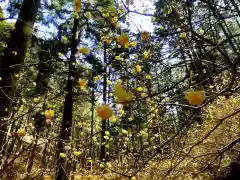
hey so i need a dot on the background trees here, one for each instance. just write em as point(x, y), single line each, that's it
point(170, 94)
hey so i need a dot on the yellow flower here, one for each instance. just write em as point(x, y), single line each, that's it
point(77, 153)
point(77, 5)
point(153, 19)
point(21, 132)
point(201, 31)
point(114, 120)
point(124, 131)
point(183, 35)
point(195, 97)
point(47, 177)
point(119, 58)
point(97, 78)
point(116, 25)
point(123, 39)
point(126, 45)
point(64, 39)
point(82, 83)
point(104, 112)
point(145, 54)
point(105, 29)
point(62, 155)
point(90, 177)
point(170, 10)
point(121, 94)
point(114, 19)
point(148, 77)
point(145, 35)
point(88, 15)
point(133, 44)
point(106, 39)
point(60, 54)
point(119, 81)
point(84, 50)
point(139, 88)
point(14, 53)
point(112, 10)
point(121, 111)
point(138, 68)
point(49, 114)
point(108, 82)
point(105, 15)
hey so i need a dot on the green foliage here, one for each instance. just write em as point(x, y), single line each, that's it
point(5, 34)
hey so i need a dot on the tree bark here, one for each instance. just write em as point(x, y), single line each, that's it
point(14, 56)
point(103, 141)
point(66, 126)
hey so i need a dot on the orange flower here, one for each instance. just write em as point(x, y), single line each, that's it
point(104, 112)
point(82, 83)
point(21, 132)
point(84, 50)
point(145, 35)
point(77, 5)
point(138, 68)
point(123, 39)
point(195, 97)
point(49, 114)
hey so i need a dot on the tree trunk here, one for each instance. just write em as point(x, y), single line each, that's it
point(63, 173)
point(14, 56)
point(103, 148)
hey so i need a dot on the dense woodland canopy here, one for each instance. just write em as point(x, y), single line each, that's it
point(88, 94)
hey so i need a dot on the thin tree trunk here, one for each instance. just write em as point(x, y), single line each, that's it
point(66, 126)
point(103, 148)
point(92, 123)
point(14, 56)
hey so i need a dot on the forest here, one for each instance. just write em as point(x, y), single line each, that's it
point(119, 89)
